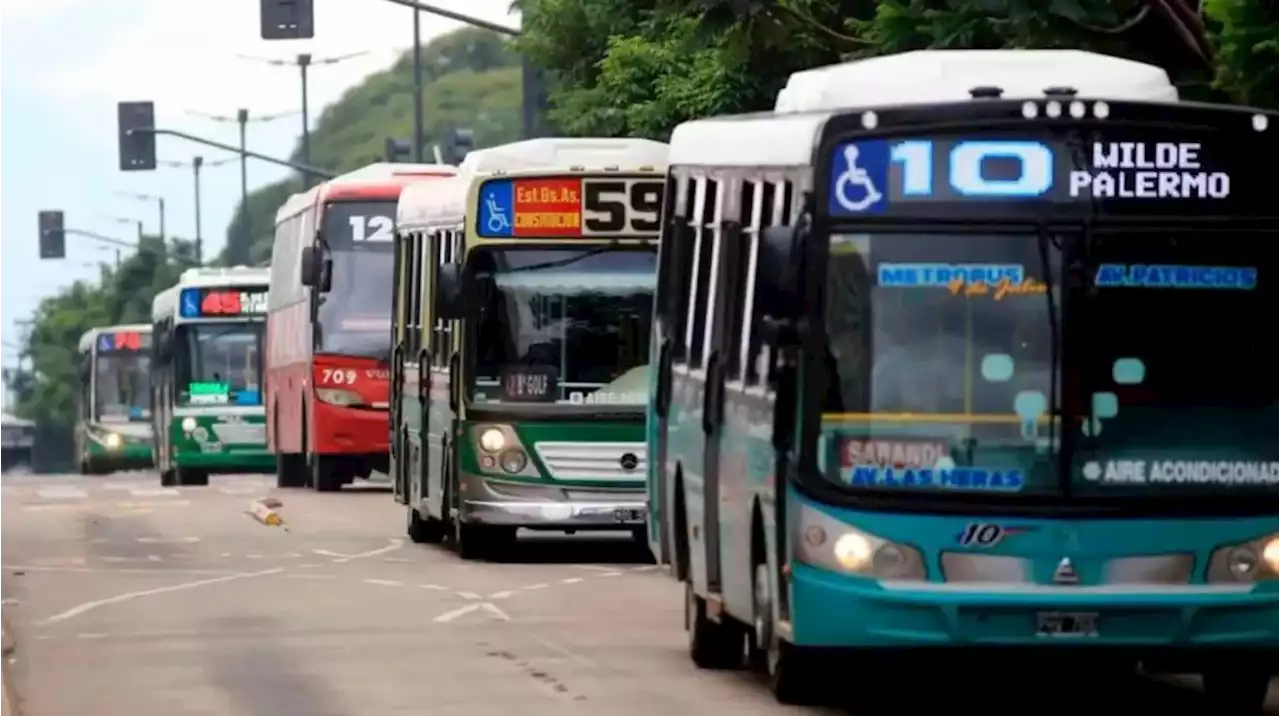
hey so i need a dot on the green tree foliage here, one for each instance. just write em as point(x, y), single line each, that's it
point(471, 79)
point(639, 67)
point(47, 386)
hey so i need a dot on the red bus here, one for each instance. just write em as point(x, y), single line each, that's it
point(328, 347)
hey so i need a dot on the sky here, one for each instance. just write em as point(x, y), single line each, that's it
point(64, 64)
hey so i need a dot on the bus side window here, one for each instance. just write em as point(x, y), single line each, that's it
point(740, 329)
point(413, 321)
point(397, 302)
point(701, 273)
point(680, 241)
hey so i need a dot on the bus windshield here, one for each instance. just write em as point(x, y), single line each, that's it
point(355, 315)
point(563, 326)
point(122, 387)
point(220, 364)
point(1178, 385)
point(939, 363)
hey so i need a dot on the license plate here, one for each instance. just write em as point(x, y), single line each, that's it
point(625, 515)
point(1067, 624)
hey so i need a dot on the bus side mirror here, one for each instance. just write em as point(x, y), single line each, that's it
point(310, 266)
point(82, 370)
point(449, 291)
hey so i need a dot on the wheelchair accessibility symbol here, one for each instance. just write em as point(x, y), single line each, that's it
point(858, 172)
point(497, 210)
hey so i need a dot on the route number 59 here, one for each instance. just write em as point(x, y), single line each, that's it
point(337, 376)
point(622, 206)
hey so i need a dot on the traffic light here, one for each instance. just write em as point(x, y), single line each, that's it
point(461, 142)
point(136, 122)
point(287, 19)
point(53, 240)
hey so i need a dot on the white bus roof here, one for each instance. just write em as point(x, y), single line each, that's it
point(88, 338)
point(443, 203)
point(165, 304)
point(381, 172)
point(786, 137)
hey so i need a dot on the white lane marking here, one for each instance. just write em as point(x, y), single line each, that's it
point(119, 485)
point(396, 559)
point(61, 492)
point(531, 587)
point(154, 492)
point(594, 567)
point(434, 587)
point(462, 611)
point(609, 574)
point(168, 540)
point(468, 595)
point(644, 568)
point(253, 555)
point(571, 580)
point(239, 489)
point(129, 596)
point(395, 545)
point(309, 575)
point(110, 570)
point(384, 582)
point(93, 635)
point(500, 595)
point(326, 553)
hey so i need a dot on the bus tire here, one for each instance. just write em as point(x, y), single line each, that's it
point(291, 471)
point(786, 666)
point(189, 476)
point(475, 541)
point(422, 530)
point(167, 478)
point(326, 473)
point(712, 645)
point(1236, 689)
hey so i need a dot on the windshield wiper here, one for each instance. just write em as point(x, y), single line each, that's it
point(560, 263)
point(1044, 242)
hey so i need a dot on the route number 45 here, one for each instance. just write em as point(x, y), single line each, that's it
point(338, 376)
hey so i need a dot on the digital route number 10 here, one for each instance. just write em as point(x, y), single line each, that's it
point(964, 168)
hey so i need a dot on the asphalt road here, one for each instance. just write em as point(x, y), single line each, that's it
point(127, 598)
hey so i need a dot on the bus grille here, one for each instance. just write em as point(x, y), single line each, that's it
point(240, 433)
point(591, 461)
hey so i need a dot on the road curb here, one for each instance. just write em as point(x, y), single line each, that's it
point(10, 703)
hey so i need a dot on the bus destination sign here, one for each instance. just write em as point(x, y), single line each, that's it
point(223, 302)
point(570, 207)
point(1000, 174)
point(124, 342)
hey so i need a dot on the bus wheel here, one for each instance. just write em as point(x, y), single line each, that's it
point(420, 530)
point(291, 471)
point(188, 476)
point(712, 645)
point(1237, 690)
point(326, 473)
point(167, 478)
point(786, 665)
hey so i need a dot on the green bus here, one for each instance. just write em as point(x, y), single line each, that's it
point(113, 428)
point(207, 382)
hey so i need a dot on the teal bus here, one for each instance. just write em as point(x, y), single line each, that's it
point(113, 424)
point(927, 374)
point(207, 379)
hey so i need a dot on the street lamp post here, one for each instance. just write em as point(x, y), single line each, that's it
point(150, 197)
point(242, 120)
point(196, 163)
point(303, 62)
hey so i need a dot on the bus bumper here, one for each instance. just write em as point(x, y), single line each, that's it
point(835, 610)
point(351, 431)
point(551, 507)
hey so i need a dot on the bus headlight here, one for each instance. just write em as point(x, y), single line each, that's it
point(112, 440)
point(826, 542)
point(338, 396)
point(492, 440)
point(188, 424)
point(514, 460)
point(1250, 561)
